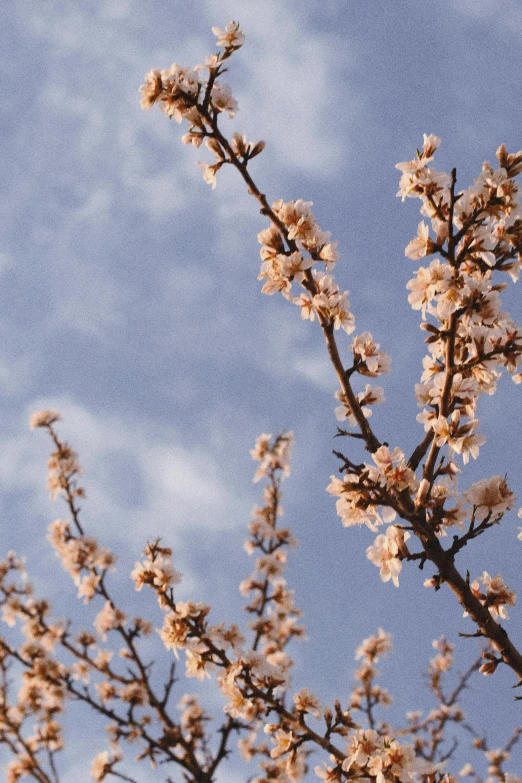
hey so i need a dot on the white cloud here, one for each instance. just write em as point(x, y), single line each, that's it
point(185, 490)
point(89, 301)
point(171, 489)
point(159, 195)
point(317, 369)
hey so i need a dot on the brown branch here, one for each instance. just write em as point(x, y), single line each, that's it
point(416, 516)
point(372, 442)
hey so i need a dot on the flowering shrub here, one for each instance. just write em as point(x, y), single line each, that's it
point(412, 503)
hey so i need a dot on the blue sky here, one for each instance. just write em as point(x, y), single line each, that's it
point(130, 300)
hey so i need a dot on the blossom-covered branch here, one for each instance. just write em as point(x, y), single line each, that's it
point(478, 234)
point(277, 728)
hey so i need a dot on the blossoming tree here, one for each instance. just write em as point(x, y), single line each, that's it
point(412, 504)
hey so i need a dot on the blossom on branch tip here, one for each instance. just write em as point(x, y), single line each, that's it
point(231, 37)
point(329, 255)
point(44, 418)
point(244, 149)
point(430, 144)
point(274, 456)
point(108, 619)
point(376, 646)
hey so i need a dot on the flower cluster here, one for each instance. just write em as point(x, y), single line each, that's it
point(157, 570)
point(368, 694)
point(197, 96)
point(56, 664)
point(477, 233)
point(178, 89)
point(271, 604)
point(383, 758)
point(386, 553)
point(495, 595)
point(489, 498)
point(41, 693)
point(255, 676)
point(272, 456)
point(64, 470)
point(81, 557)
point(368, 497)
point(370, 362)
point(293, 249)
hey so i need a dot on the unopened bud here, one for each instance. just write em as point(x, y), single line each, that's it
point(259, 147)
point(214, 146)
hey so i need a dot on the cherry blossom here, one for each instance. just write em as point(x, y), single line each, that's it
point(489, 497)
point(385, 553)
